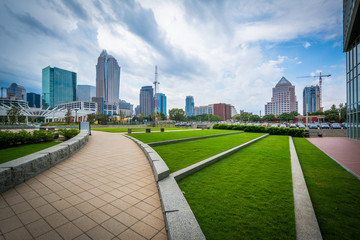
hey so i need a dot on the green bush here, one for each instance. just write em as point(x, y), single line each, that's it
point(9, 139)
point(69, 133)
point(262, 129)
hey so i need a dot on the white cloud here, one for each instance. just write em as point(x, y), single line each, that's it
point(307, 44)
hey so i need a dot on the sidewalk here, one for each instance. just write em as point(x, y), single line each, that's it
point(104, 191)
point(344, 150)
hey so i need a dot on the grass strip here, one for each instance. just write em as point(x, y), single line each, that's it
point(247, 195)
point(180, 155)
point(334, 192)
point(116, 130)
point(166, 136)
point(12, 153)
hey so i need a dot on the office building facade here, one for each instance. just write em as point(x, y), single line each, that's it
point(200, 110)
point(222, 110)
point(16, 91)
point(146, 100)
point(58, 86)
point(351, 29)
point(311, 99)
point(283, 99)
point(107, 78)
point(189, 106)
point(34, 100)
point(85, 92)
point(160, 99)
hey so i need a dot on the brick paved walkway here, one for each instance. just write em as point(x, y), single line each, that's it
point(344, 150)
point(104, 191)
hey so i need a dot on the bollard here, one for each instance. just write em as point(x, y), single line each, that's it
point(162, 130)
point(148, 130)
point(129, 130)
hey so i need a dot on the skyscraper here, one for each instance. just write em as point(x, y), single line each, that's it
point(161, 103)
point(189, 106)
point(33, 100)
point(16, 91)
point(311, 99)
point(352, 49)
point(85, 92)
point(58, 86)
point(146, 100)
point(107, 78)
point(283, 99)
point(222, 110)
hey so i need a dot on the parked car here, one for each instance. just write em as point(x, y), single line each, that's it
point(336, 126)
point(292, 125)
point(301, 126)
point(324, 126)
point(282, 125)
point(344, 125)
point(313, 126)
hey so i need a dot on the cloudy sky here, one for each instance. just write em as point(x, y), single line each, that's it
point(217, 51)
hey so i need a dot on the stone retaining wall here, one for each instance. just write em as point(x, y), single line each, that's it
point(19, 170)
point(328, 132)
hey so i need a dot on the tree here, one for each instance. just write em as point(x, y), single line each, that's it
point(245, 116)
point(13, 114)
point(91, 118)
point(254, 118)
point(177, 114)
point(332, 114)
point(236, 117)
point(343, 112)
point(284, 116)
point(68, 116)
point(269, 117)
point(141, 117)
point(162, 116)
point(122, 116)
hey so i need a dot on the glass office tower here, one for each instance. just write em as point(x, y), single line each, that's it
point(189, 106)
point(58, 86)
point(352, 49)
point(160, 98)
point(311, 99)
point(146, 100)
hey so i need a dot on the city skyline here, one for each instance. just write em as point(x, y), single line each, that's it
point(224, 51)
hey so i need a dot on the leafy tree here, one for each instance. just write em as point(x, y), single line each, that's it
point(269, 117)
point(162, 116)
point(254, 118)
point(68, 116)
point(245, 116)
point(122, 115)
point(284, 116)
point(102, 118)
point(332, 114)
point(177, 114)
point(13, 114)
point(141, 117)
point(91, 118)
point(316, 113)
point(236, 117)
point(343, 112)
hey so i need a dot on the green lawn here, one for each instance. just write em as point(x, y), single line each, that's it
point(180, 155)
point(166, 136)
point(12, 153)
point(334, 192)
point(247, 195)
point(136, 129)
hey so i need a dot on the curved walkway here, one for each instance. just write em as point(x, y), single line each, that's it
point(105, 191)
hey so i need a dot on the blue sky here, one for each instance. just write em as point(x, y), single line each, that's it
point(217, 51)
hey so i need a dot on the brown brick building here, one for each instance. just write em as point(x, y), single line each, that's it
point(223, 110)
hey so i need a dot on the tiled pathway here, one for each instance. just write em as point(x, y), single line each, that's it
point(344, 150)
point(104, 191)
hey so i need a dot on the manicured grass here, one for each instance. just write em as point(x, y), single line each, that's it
point(334, 192)
point(247, 195)
point(166, 136)
point(12, 153)
point(180, 155)
point(116, 130)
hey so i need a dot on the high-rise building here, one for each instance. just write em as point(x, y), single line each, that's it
point(126, 108)
point(160, 98)
point(233, 111)
point(33, 100)
point(222, 110)
point(189, 106)
point(311, 99)
point(283, 99)
point(107, 78)
point(58, 86)
point(16, 91)
point(137, 110)
point(146, 100)
point(85, 92)
point(200, 110)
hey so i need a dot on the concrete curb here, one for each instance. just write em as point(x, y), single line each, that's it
point(307, 226)
point(207, 162)
point(159, 167)
point(189, 139)
point(19, 170)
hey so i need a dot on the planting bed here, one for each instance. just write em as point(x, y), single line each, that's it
point(247, 195)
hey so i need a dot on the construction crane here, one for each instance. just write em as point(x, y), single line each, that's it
point(320, 83)
point(156, 83)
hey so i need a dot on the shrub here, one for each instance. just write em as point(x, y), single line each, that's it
point(69, 133)
point(9, 139)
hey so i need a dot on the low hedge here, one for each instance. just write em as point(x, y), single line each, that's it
point(69, 133)
point(9, 139)
point(262, 129)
